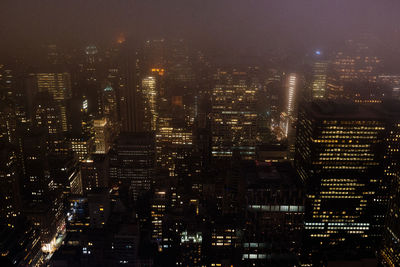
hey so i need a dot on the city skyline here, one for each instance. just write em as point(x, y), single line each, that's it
point(199, 133)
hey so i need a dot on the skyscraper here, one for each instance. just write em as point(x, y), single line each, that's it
point(150, 102)
point(389, 252)
point(289, 114)
point(356, 62)
point(132, 162)
point(233, 115)
point(102, 135)
point(59, 87)
point(319, 82)
point(342, 161)
point(35, 172)
point(131, 114)
point(9, 184)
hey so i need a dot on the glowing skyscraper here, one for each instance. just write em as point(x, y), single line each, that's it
point(150, 99)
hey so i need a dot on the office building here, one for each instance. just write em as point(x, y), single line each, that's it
point(58, 85)
point(233, 115)
point(132, 162)
point(150, 102)
point(102, 135)
point(342, 159)
point(10, 203)
point(319, 79)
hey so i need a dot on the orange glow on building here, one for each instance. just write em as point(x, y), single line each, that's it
point(158, 71)
point(177, 101)
point(121, 38)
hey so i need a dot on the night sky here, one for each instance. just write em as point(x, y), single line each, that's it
point(234, 25)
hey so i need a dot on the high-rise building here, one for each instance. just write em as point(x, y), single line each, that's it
point(233, 115)
point(59, 87)
point(35, 172)
point(95, 172)
point(275, 210)
point(27, 250)
point(158, 212)
point(393, 81)
point(102, 136)
point(291, 104)
point(99, 207)
point(8, 122)
point(132, 162)
point(65, 174)
point(342, 159)
point(82, 145)
point(149, 93)
point(131, 114)
point(109, 104)
point(320, 73)
point(356, 62)
point(9, 184)
point(389, 252)
point(172, 143)
point(48, 116)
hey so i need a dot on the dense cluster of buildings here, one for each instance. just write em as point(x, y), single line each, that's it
point(152, 156)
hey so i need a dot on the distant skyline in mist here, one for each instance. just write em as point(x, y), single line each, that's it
point(220, 25)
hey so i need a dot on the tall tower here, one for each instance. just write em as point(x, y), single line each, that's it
point(150, 102)
point(131, 112)
point(320, 71)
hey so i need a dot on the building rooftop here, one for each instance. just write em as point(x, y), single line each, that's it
point(350, 110)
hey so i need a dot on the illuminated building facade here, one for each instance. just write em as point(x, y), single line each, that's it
point(334, 87)
point(102, 135)
point(150, 102)
point(289, 114)
point(291, 93)
point(91, 53)
point(172, 143)
point(389, 253)
point(158, 211)
point(59, 87)
point(191, 246)
point(82, 145)
point(224, 241)
point(341, 158)
point(233, 115)
point(393, 81)
point(356, 62)
point(320, 73)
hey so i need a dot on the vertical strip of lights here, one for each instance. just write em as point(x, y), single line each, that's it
point(291, 97)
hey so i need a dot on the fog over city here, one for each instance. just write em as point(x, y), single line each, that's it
point(221, 133)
